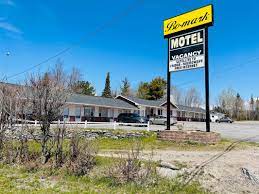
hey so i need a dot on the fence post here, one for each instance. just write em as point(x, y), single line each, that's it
point(85, 123)
point(35, 123)
point(148, 126)
point(114, 125)
point(58, 123)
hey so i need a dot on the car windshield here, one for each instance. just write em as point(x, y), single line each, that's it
point(134, 115)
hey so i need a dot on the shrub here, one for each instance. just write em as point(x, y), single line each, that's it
point(130, 168)
point(82, 156)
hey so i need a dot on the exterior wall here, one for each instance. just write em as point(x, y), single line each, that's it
point(106, 114)
point(173, 111)
point(99, 113)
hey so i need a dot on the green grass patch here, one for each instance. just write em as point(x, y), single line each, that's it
point(14, 179)
point(151, 142)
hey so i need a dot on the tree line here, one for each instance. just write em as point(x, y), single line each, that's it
point(153, 90)
point(231, 103)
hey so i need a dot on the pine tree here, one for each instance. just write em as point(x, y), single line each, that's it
point(84, 87)
point(143, 90)
point(107, 88)
point(252, 103)
point(257, 109)
point(125, 87)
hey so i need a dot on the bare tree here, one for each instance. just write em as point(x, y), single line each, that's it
point(10, 102)
point(177, 95)
point(226, 101)
point(192, 98)
point(46, 97)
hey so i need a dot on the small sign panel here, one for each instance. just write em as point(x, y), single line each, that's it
point(199, 17)
point(187, 51)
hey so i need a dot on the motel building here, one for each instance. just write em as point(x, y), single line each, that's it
point(80, 108)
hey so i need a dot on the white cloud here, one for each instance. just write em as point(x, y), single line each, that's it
point(7, 2)
point(9, 27)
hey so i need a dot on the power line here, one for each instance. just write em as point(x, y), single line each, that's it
point(219, 74)
point(125, 12)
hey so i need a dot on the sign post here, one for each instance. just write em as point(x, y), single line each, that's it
point(168, 124)
point(187, 36)
point(207, 84)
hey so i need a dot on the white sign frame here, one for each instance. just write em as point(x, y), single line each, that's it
point(197, 61)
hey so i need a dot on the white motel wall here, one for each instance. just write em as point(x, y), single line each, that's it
point(100, 109)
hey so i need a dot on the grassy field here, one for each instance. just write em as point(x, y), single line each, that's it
point(33, 178)
point(18, 179)
point(152, 142)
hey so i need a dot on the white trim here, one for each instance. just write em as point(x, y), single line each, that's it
point(137, 104)
point(170, 103)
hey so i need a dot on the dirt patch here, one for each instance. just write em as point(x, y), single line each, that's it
point(217, 171)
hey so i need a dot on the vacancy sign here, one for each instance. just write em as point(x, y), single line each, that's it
point(187, 51)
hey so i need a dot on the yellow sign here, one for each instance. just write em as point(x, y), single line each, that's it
point(189, 20)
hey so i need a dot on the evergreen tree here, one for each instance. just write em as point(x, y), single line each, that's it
point(84, 87)
point(153, 90)
point(125, 87)
point(238, 107)
point(257, 109)
point(252, 105)
point(107, 88)
point(157, 88)
point(143, 90)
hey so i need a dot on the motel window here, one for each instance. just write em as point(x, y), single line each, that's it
point(78, 112)
point(160, 112)
point(103, 112)
point(88, 111)
point(66, 113)
point(111, 113)
point(137, 112)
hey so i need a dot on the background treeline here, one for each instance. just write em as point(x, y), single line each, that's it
point(232, 104)
point(152, 90)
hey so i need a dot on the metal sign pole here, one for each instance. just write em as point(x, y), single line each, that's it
point(168, 104)
point(207, 89)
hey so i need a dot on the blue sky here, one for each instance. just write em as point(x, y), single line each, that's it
point(133, 47)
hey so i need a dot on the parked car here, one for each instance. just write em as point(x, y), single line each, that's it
point(131, 118)
point(225, 120)
point(161, 120)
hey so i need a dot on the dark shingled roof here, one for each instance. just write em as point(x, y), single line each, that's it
point(99, 101)
point(159, 102)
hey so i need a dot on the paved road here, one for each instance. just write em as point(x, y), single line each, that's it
point(236, 130)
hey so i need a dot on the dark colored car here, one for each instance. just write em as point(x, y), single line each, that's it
point(225, 120)
point(131, 118)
